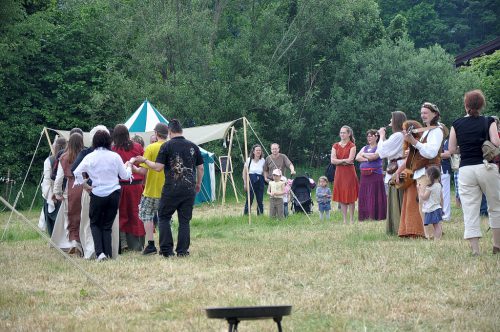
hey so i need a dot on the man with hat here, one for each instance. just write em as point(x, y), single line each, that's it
point(182, 163)
point(150, 200)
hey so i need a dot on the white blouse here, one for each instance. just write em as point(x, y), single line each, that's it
point(105, 168)
point(256, 167)
point(430, 149)
point(391, 148)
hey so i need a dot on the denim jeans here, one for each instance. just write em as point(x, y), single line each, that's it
point(257, 187)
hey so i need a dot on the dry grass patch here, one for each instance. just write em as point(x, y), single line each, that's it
point(337, 277)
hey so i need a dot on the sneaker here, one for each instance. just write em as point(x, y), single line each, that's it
point(102, 257)
point(183, 254)
point(150, 250)
point(168, 255)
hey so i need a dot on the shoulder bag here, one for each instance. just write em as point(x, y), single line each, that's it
point(490, 151)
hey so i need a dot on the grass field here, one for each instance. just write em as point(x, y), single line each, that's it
point(337, 277)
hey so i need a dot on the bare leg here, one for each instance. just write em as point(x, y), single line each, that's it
point(351, 212)
point(438, 231)
point(327, 215)
point(149, 228)
point(428, 230)
point(343, 208)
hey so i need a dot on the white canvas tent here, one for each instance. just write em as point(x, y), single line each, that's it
point(197, 135)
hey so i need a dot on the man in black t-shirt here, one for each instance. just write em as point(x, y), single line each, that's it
point(182, 163)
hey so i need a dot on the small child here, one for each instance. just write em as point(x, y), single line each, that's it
point(323, 196)
point(432, 200)
point(286, 195)
point(276, 190)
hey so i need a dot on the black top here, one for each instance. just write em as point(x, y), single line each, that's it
point(471, 133)
point(180, 158)
point(445, 163)
point(80, 157)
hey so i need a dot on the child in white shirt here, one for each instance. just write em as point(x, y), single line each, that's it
point(432, 198)
point(276, 190)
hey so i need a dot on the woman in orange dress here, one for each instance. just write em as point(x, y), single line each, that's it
point(345, 183)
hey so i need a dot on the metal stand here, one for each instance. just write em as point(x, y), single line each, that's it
point(233, 315)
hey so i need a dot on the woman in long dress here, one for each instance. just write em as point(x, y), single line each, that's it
point(392, 149)
point(51, 205)
point(372, 203)
point(64, 189)
point(428, 148)
point(131, 227)
point(345, 183)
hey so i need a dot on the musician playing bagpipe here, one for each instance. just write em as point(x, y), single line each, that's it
point(423, 145)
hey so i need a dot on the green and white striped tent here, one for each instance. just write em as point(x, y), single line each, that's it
point(143, 122)
point(144, 119)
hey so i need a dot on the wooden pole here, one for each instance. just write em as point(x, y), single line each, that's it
point(71, 260)
point(230, 161)
point(234, 188)
point(228, 164)
point(48, 139)
point(223, 180)
point(247, 177)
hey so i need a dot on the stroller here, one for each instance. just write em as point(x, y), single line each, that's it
point(301, 194)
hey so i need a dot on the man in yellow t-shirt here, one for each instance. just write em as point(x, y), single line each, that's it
point(150, 200)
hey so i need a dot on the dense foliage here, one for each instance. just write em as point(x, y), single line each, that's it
point(297, 69)
point(457, 25)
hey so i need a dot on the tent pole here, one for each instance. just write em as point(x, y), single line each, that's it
point(234, 188)
point(247, 177)
point(228, 165)
point(48, 139)
point(44, 235)
point(230, 160)
point(223, 185)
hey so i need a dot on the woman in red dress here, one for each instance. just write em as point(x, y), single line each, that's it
point(131, 227)
point(345, 183)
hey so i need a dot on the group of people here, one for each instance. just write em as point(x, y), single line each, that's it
point(259, 171)
point(87, 188)
point(415, 156)
point(413, 193)
point(104, 198)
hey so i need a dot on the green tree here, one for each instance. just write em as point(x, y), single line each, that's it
point(398, 77)
point(397, 28)
point(487, 68)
